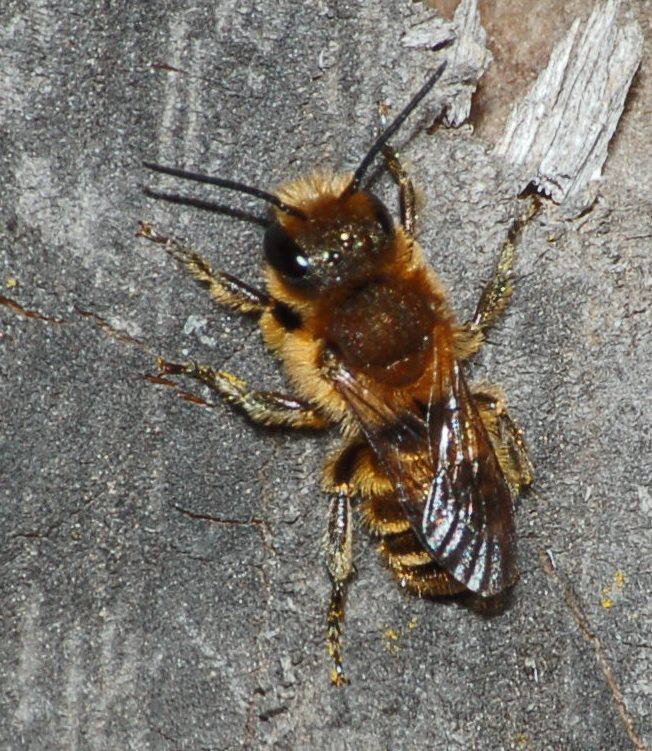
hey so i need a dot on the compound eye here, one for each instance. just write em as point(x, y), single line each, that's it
point(283, 253)
point(383, 217)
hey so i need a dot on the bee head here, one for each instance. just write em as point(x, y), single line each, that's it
point(325, 230)
point(334, 233)
point(342, 237)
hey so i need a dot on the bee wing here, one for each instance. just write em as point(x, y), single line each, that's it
point(443, 465)
point(467, 520)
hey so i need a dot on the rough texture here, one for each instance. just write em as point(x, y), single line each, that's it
point(559, 134)
point(161, 583)
point(468, 58)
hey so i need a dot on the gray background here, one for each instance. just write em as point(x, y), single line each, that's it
point(161, 583)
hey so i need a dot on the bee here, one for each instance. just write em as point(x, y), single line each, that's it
point(370, 344)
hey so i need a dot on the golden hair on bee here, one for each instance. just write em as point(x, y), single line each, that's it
point(369, 344)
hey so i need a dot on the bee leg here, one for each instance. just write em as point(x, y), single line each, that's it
point(339, 561)
point(522, 474)
point(497, 293)
point(506, 435)
point(225, 289)
point(407, 198)
point(262, 407)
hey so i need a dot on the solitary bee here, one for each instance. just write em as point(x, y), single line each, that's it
point(370, 344)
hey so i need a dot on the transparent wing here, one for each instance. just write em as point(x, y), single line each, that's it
point(442, 462)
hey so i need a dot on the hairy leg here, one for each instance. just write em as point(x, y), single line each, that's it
point(506, 435)
point(407, 197)
point(339, 562)
point(225, 289)
point(263, 407)
point(498, 291)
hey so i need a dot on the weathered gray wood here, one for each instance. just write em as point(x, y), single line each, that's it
point(558, 136)
point(468, 57)
point(161, 581)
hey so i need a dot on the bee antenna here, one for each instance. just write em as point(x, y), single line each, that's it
point(198, 177)
point(395, 125)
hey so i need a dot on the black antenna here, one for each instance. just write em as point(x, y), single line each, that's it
point(396, 124)
point(198, 177)
point(198, 203)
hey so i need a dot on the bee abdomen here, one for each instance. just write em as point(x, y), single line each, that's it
point(411, 563)
point(384, 515)
point(404, 549)
point(409, 560)
point(428, 580)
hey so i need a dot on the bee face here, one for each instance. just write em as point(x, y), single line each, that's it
point(341, 240)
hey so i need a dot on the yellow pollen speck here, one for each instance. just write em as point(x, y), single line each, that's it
point(620, 579)
point(391, 645)
point(607, 592)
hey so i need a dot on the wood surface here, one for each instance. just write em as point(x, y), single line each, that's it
point(162, 584)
